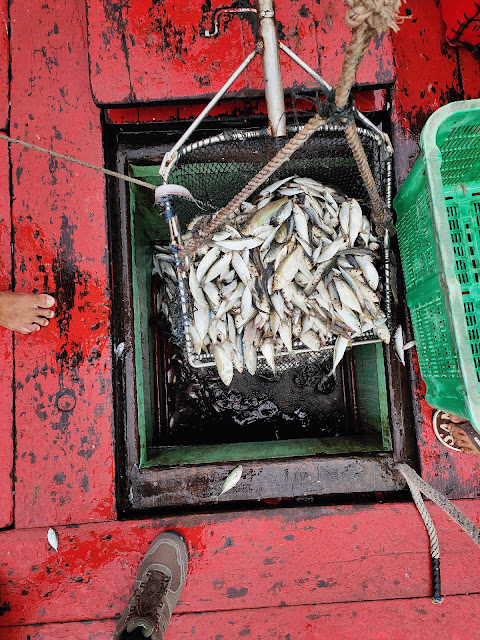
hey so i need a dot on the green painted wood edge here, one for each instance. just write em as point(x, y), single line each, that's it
point(234, 452)
point(142, 312)
point(382, 398)
point(137, 338)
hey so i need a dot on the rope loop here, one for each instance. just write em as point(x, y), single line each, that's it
point(335, 115)
point(379, 15)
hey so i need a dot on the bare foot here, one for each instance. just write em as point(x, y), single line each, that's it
point(462, 441)
point(25, 312)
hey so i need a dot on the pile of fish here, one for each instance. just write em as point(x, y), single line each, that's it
point(295, 267)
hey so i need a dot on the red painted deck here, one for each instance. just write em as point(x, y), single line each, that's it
point(315, 572)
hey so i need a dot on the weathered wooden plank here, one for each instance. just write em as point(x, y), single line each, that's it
point(6, 349)
point(392, 619)
point(365, 101)
point(427, 78)
point(4, 64)
point(148, 51)
point(250, 560)
point(65, 462)
point(89, 630)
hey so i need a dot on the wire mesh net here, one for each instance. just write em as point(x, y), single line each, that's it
point(216, 169)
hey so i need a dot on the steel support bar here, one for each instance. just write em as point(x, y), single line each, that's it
point(169, 157)
point(267, 26)
point(325, 88)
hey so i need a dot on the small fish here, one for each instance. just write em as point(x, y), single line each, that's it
point(195, 289)
point(274, 186)
point(224, 365)
point(311, 340)
point(398, 342)
point(52, 538)
point(238, 244)
point(287, 270)
point(340, 346)
point(408, 345)
point(268, 351)
point(263, 215)
point(355, 223)
point(206, 262)
point(217, 268)
point(231, 480)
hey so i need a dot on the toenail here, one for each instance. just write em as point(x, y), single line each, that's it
point(49, 300)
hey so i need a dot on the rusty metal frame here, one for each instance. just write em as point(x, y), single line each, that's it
point(167, 489)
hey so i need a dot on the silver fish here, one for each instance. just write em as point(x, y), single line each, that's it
point(263, 215)
point(311, 340)
point(341, 345)
point(224, 364)
point(216, 269)
point(195, 289)
point(398, 343)
point(238, 244)
point(355, 223)
point(231, 480)
point(268, 351)
point(287, 270)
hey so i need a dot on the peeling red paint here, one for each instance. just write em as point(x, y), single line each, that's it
point(259, 574)
point(238, 561)
point(149, 51)
point(4, 64)
point(60, 248)
point(6, 350)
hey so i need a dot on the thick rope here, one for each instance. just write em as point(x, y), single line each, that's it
point(359, 19)
point(444, 503)
point(365, 19)
point(205, 233)
point(418, 486)
point(115, 174)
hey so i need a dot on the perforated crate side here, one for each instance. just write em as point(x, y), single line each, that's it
point(417, 243)
point(460, 152)
point(436, 350)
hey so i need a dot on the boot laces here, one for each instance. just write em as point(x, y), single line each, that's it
point(148, 597)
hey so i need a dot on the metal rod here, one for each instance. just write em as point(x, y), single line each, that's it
point(325, 87)
point(272, 75)
point(170, 156)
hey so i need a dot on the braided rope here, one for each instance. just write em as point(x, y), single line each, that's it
point(444, 503)
point(418, 486)
point(205, 233)
point(88, 165)
point(365, 19)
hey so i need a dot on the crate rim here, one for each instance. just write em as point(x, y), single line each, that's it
point(430, 162)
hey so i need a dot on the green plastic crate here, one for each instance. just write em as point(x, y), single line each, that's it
point(438, 228)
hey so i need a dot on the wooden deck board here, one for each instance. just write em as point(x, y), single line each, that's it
point(6, 349)
point(248, 560)
point(65, 460)
point(383, 620)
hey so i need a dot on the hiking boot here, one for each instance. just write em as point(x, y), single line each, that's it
point(158, 584)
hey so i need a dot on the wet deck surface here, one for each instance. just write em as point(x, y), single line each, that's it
point(335, 572)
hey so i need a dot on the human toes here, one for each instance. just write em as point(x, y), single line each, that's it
point(44, 301)
point(46, 313)
point(42, 322)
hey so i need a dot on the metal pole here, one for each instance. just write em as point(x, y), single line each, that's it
point(325, 88)
point(170, 156)
point(267, 26)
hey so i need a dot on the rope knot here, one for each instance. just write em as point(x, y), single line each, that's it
point(338, 115)
point(380, 15)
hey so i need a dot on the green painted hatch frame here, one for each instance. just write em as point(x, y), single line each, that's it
point(147, 227)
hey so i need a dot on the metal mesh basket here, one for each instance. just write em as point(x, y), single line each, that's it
point(214, 170)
